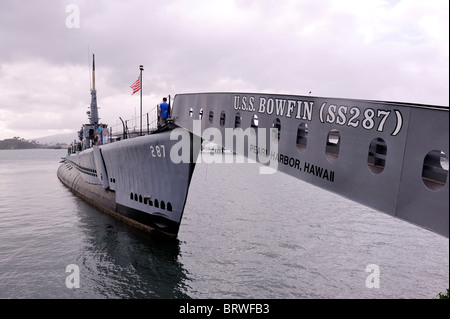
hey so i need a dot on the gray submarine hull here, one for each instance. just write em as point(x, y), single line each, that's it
point(134, 179)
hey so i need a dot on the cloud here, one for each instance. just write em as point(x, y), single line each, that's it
point(373, 49)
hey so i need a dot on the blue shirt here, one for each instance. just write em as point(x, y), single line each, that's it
point(164, 108)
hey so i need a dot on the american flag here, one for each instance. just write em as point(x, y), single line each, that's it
point(136, 86)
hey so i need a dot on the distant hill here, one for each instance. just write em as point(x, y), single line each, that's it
point(65, 138)
point(18, 143)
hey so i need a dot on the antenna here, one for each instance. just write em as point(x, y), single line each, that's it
point(94, 109)
point(93, 72)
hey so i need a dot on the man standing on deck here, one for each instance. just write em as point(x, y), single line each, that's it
point(163, 112)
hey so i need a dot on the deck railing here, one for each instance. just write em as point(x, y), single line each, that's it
point(129, 128)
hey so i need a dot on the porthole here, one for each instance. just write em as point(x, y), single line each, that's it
point(302, 136)
point(376, 159)
point(200, 114)
point(237, 120)
point(435, 170)
point(211, 116)
point(169, 206)
point(254, 124)
point(140, 198)
point(156, 203)
point(135, 197)
point(276, 133)
point(222, 119)
point(131, 196)
point(150, 203)
point(332, 147)
point(163, 205)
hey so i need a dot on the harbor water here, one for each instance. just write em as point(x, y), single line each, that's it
point(243, 235)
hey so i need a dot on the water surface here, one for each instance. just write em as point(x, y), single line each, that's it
point(243, 235)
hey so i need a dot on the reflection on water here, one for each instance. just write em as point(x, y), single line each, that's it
point(119, 261)
point(44, 228)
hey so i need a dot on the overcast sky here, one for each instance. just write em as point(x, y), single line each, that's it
point(396, 50)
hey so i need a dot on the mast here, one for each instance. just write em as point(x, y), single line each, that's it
point(141, 67)
point(94, 109)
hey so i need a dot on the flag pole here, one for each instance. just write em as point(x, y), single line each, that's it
point(141, 67)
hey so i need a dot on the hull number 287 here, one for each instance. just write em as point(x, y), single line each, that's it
point(158, 150)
